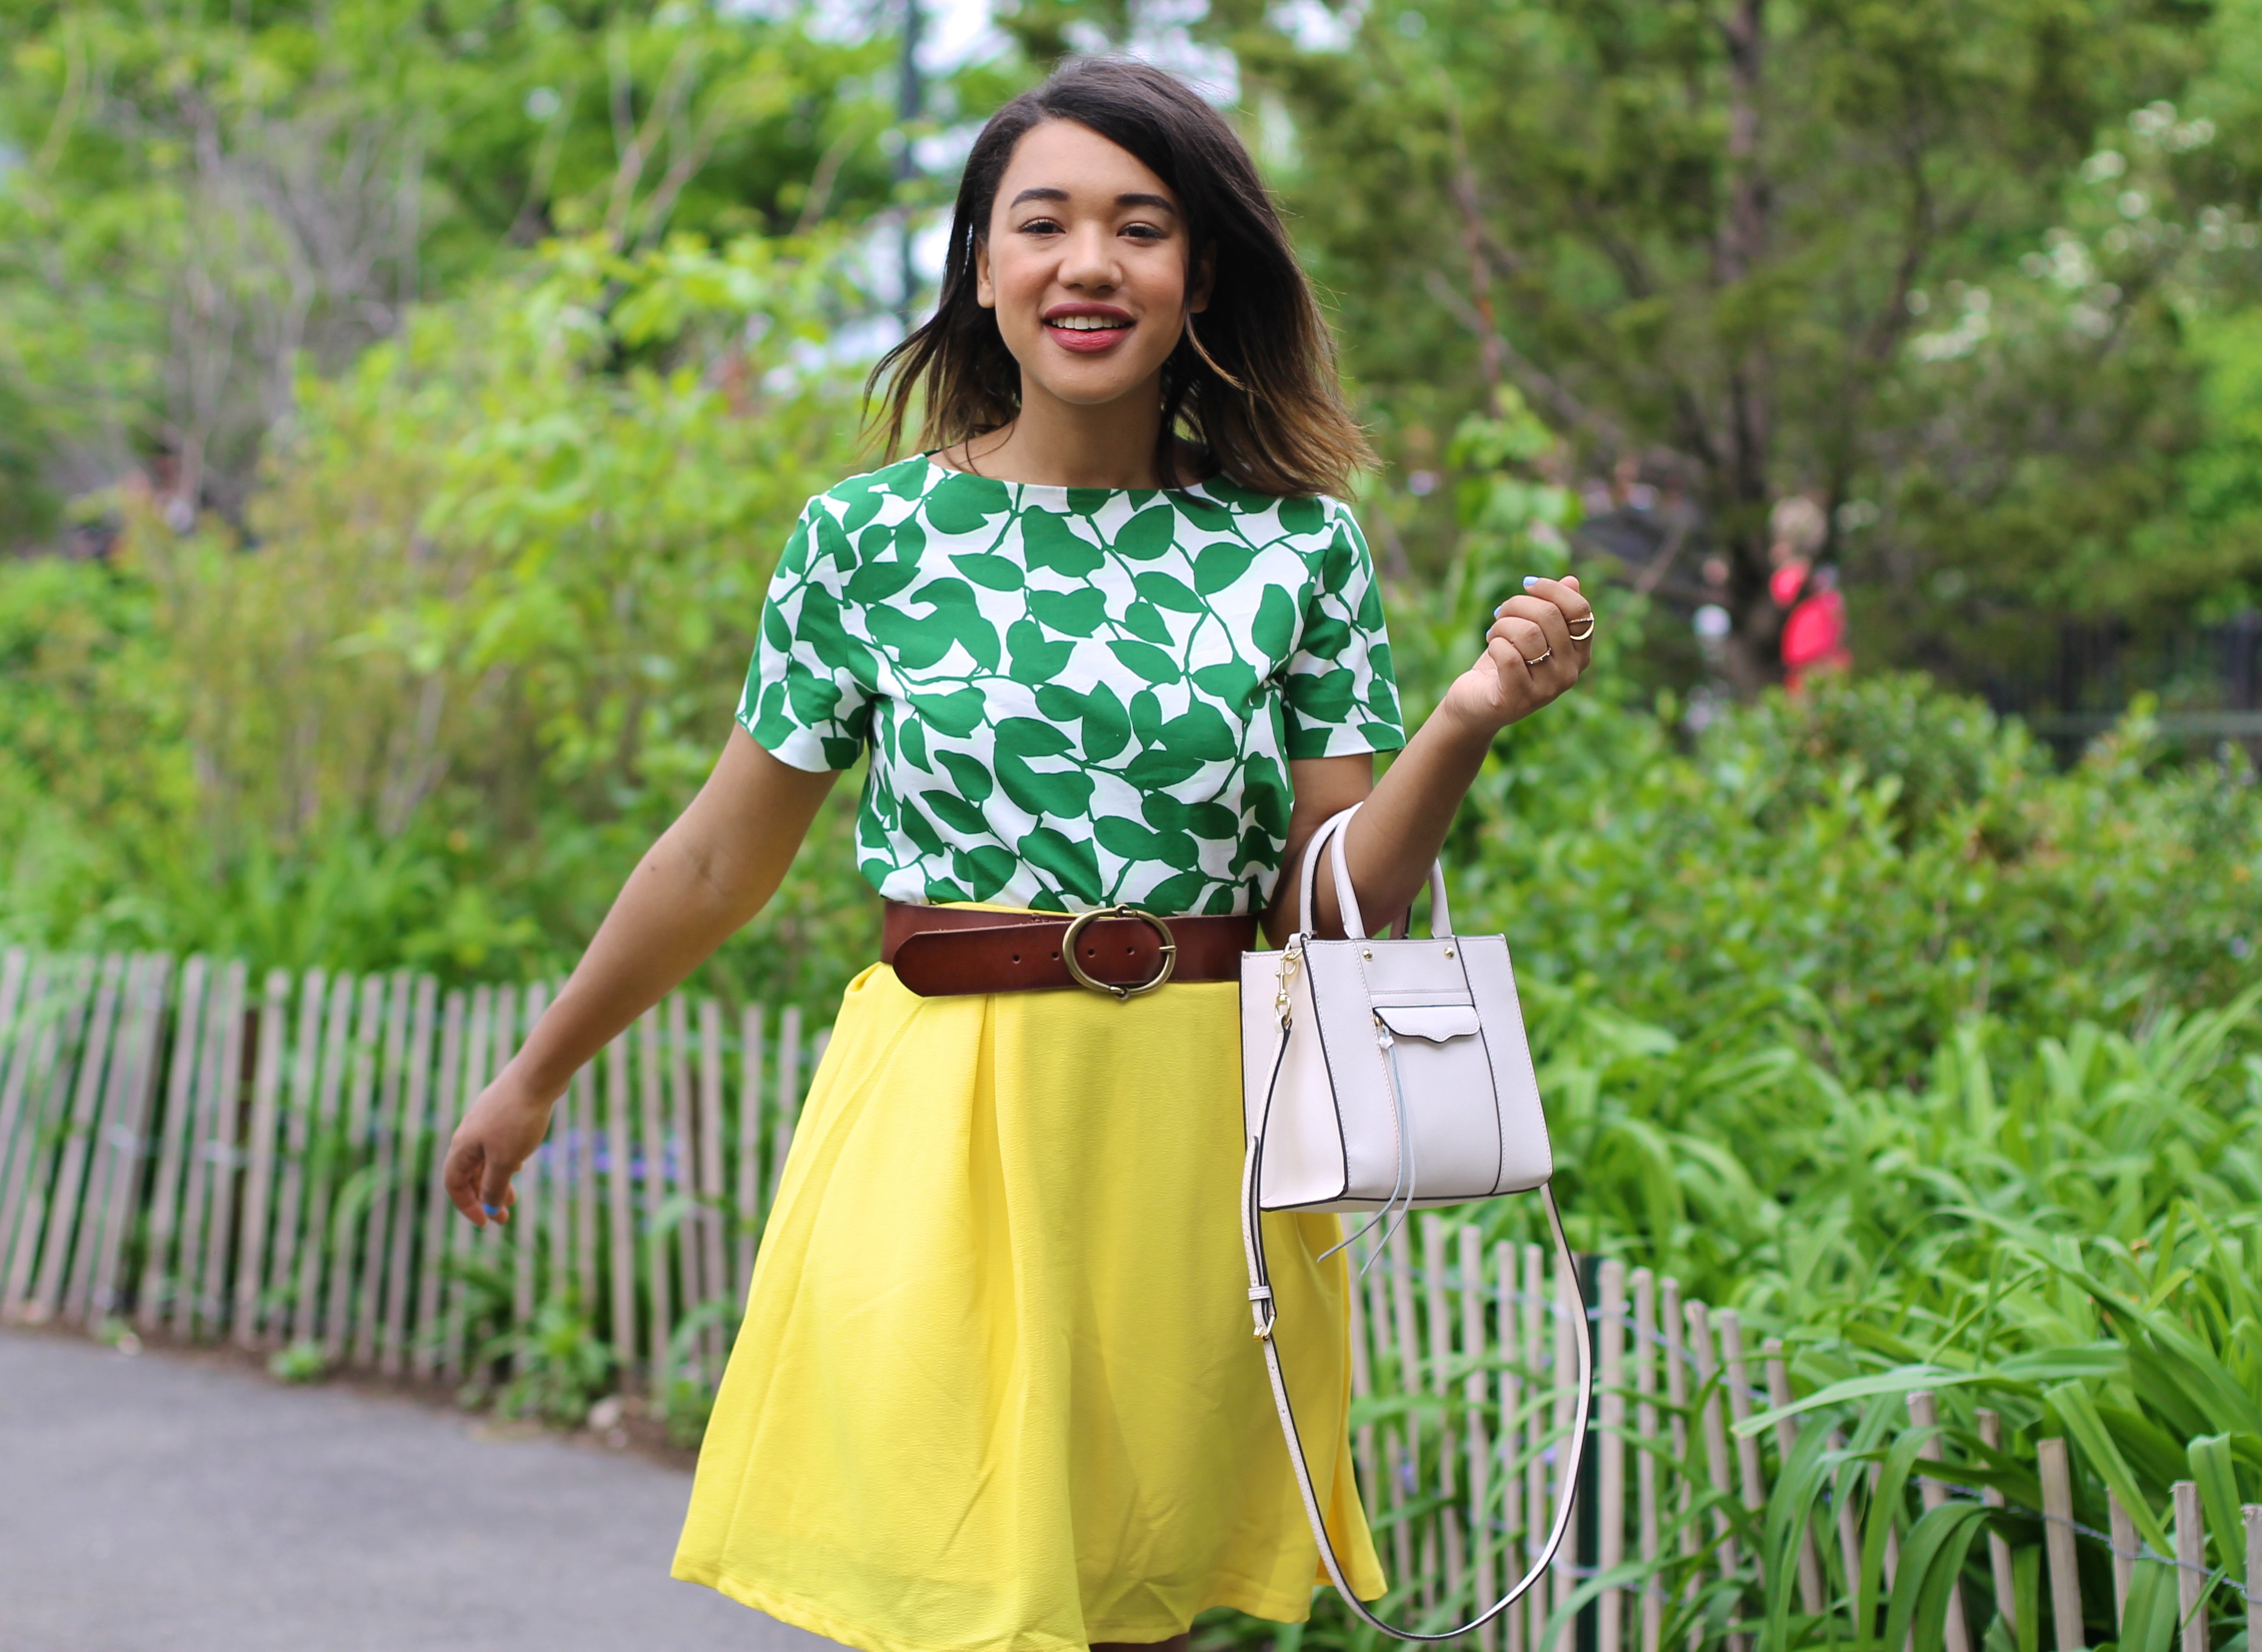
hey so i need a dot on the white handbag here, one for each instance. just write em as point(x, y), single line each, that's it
point(1388, 1075)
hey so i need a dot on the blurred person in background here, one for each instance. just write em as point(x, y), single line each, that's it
point(1814, 629)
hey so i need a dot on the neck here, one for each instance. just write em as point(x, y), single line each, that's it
point(1055, 444)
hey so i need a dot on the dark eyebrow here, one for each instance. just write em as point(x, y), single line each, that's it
point(1049, 194)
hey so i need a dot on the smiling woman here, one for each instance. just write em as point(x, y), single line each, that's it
point(1114, 647)
point(1098, 215)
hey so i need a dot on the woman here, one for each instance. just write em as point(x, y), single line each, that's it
point(1112, 642)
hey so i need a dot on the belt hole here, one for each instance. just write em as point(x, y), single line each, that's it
point(1017, 957)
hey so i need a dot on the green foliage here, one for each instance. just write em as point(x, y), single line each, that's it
point(482, 646)
point(194, 200)
point(298, 1362)
point(559, 1366)
point(1969, 275)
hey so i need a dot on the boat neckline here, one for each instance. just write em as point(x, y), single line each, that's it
point(1200, 489)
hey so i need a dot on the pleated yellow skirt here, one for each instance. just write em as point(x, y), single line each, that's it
point(996, 1387)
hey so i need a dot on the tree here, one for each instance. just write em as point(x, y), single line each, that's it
point(209, 195)
point(1757, 248)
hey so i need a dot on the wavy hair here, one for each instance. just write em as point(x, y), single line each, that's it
point(1257, 394)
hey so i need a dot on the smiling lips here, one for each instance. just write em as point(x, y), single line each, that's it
point(1087, 329)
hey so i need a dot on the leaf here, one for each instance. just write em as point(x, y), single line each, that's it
point(957, 713)
point(1074, 613)
point(1274, 628)
point(1143, 620)
point(1907, 1380)
point(1026, 737)
point(1049, 541)
point(1931, 1561)
point(1072, 865)
point(1216, 566)
point(1145, 661)
point(1107, 725)
point(1164, 591)
point(2218, 1494)
point(990, 571)
point(973, 781)
point(1149, 534)
point(2072, 1402)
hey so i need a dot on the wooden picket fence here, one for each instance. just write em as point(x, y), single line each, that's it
point(1459, 1424)
point(181, 1152)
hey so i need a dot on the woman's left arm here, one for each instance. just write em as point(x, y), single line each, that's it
point(1528, 659)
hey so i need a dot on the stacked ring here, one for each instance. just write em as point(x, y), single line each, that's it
point(1581, 636)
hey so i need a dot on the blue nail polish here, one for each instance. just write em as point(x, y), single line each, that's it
point(491, 1210)
point(1531, 579)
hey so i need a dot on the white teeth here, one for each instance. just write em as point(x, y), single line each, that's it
point(1086, 323)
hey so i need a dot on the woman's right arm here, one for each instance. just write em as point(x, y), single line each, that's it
point(707, 876)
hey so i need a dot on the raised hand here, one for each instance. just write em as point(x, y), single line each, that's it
point(1540, 643)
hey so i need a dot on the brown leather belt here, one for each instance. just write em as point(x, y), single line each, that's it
point(940, 951)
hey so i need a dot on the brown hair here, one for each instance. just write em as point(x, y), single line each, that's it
point(1258, 391)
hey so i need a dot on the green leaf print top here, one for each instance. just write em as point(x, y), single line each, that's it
point(1073, 697)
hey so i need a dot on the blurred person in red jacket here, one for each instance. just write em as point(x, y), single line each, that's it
point(1814, 634)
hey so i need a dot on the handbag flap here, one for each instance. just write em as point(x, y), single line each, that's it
point(1435, 1022)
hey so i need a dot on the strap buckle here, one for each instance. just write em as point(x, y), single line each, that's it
point(1120, 994)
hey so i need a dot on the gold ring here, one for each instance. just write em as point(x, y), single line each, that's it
point(1075, 928)
point(1542, 661)
point(1582, 636)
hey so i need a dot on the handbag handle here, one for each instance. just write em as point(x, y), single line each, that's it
point(1334, 832)
point(1262, 1309)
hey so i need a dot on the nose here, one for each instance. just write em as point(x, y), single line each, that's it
point(1088, 260)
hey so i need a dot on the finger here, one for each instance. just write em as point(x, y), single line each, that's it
point(1523, 634)
point(1561, 595)
point(1546, 619)
point(496, 1193)
point(1510, 666)
point(461, 1180)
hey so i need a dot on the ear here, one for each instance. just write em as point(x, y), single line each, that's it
point(1204, 281)
point(985, 290)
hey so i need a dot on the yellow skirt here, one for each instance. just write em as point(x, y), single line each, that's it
point(996, 1387)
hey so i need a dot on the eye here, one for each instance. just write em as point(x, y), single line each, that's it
point(1041, 227)
point(1146, 231)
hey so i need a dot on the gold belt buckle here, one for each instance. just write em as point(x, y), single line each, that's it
point(1075, 928)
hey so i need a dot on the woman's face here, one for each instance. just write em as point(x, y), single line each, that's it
point(1086, 266)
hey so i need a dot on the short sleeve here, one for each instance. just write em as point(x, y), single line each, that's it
point(1340, 694)
point(808, 700)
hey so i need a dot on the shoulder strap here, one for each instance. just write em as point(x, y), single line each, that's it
point(1263, 1310)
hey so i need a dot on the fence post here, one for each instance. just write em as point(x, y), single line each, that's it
point(2124, 1558)
point(1645, 1382)
point(1610, 1503)
point(1999, 1550)
point(1924, 1411)
point(164, 1210)
point(2057, 1541)
point(1448, 1524)
point(1737, 1378)
point(1716, 1444)
point(1470, 1260)
point(2191, 1565)
point(1786, 1440)
point(2253, 1517)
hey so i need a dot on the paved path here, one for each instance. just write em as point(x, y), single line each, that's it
point(161, 1503)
